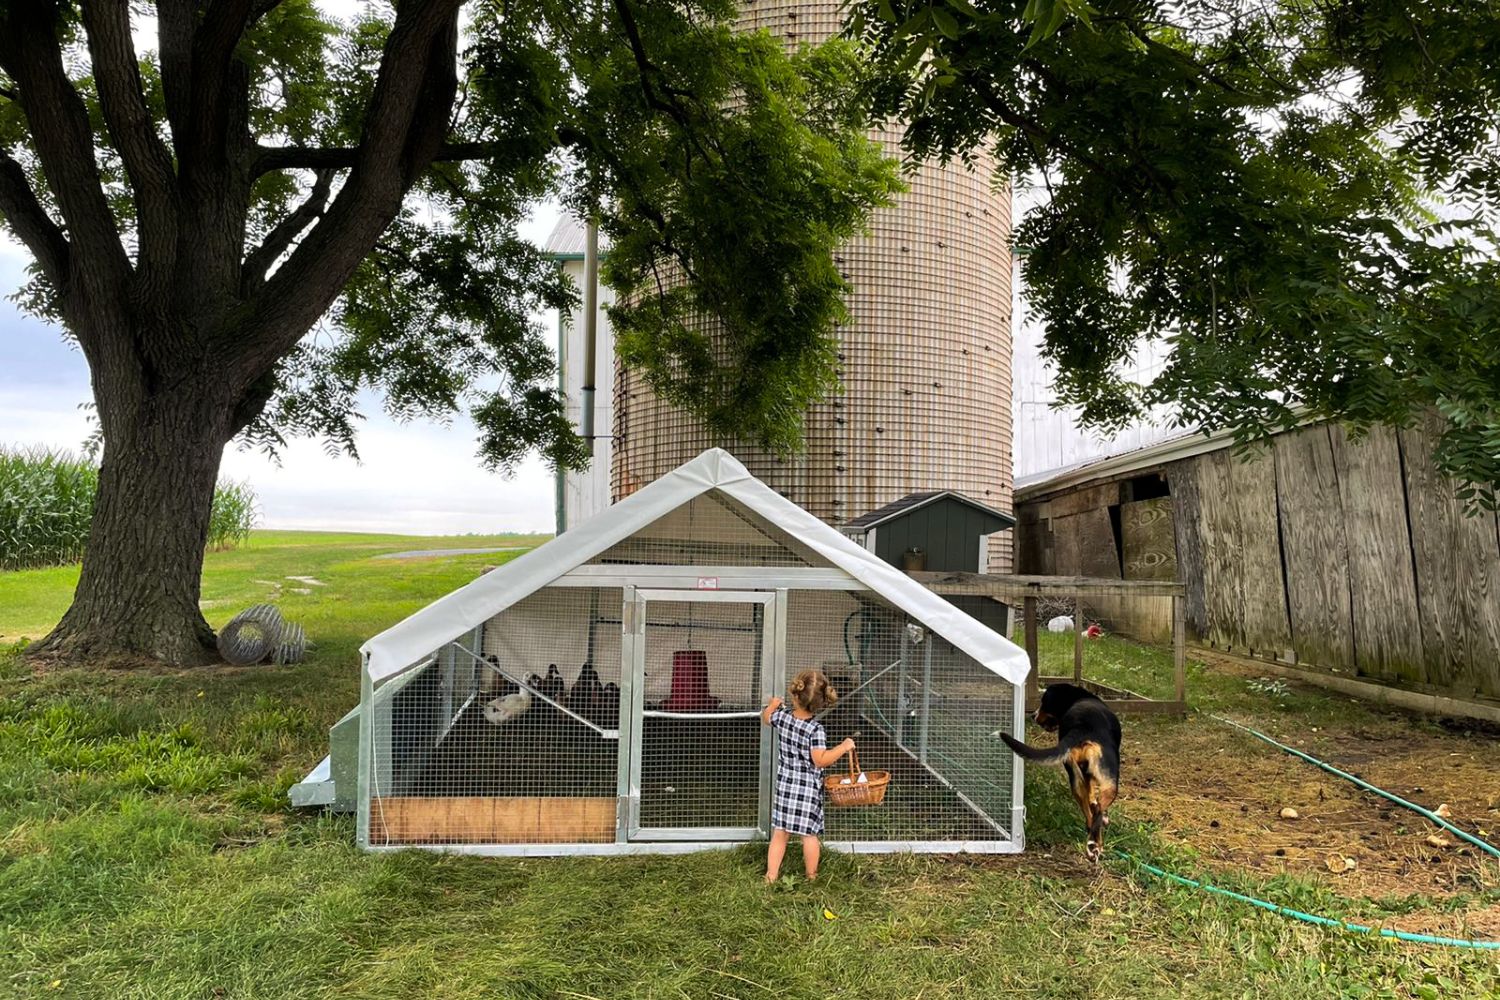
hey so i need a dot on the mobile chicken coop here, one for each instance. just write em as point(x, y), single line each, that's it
point(600, 694)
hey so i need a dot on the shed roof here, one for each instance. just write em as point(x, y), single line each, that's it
point(415, 638)
point(913, 501)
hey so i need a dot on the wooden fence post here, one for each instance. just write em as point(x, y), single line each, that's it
point(1033, 685)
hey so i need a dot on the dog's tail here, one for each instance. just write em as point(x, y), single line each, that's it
point(1037, 755)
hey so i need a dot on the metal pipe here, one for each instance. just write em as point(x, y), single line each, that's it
point(705, 626)
point(609, 734)
point(560, 477)
point(926, 700)
point(651, 713)
point(900, 733)
point(590, 330)
point(893, 665)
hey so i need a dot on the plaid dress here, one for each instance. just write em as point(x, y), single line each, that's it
point(797, 806)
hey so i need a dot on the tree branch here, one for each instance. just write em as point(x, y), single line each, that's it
point(64, 142)
point(280, 238)
point(147, 162)
point(212, 98)
point(32, 225)
point(417, 80)
point(435, 98)
point(269, 158)
point(649, 69)
point(176, 20)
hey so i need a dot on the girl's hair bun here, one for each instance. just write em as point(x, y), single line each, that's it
point(812, 692)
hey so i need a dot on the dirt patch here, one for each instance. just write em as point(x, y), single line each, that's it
point(1221, 792)
point(444, 553)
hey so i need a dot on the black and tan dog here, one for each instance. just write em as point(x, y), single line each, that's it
point(1088, 748)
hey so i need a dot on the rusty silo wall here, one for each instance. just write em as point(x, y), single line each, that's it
point(925, 361)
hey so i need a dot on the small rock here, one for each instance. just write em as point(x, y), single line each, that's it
point(1287, 812)
point(1443, 811)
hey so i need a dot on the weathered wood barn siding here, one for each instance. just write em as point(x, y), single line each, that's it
point(1319, 550)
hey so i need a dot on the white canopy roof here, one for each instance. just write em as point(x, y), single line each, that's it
point(449, 617)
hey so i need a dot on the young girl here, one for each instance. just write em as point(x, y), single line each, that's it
point(801, 754)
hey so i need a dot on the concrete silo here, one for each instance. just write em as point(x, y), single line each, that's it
point(925, 362)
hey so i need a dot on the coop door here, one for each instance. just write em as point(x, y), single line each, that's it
point(700, 761)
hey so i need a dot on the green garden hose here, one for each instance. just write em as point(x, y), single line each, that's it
point(1313, 918)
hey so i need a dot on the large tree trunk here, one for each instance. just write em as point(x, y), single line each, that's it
point(137, 597)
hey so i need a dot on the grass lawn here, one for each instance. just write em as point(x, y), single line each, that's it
point(146, 850)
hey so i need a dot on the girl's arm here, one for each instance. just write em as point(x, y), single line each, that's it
point(822, 757)
point(769, 710)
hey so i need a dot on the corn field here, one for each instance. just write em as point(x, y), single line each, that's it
point(47, 499)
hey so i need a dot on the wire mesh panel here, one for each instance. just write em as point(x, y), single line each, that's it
point(627, 718)
point(917, 708)
point(709, 530)
point(701, 752)
point(508, 735)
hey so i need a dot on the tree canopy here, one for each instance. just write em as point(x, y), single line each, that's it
point(263, 211)
point(699, 149)
point(1299, 197)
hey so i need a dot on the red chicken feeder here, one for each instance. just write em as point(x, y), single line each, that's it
point(690, 683)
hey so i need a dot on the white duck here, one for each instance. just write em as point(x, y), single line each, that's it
point(502, 710)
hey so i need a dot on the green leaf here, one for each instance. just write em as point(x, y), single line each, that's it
point(946, 22)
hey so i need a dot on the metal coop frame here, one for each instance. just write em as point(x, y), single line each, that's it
point(601, 694)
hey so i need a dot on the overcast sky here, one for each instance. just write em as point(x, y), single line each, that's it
point(416, 478)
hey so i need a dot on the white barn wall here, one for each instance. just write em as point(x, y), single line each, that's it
point(1049, 439)
point(586, 493)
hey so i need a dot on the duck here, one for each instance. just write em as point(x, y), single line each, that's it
point(502, 710)
point(609, 706)
point(494, 683)
point(489, 676)
point(584, 698)
point(553, 685)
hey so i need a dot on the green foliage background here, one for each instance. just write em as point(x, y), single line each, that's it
point(1299, 198)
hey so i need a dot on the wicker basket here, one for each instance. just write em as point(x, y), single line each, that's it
point(870, 792)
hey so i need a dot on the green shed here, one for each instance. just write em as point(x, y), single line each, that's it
point(942, 531)
point(939, 530)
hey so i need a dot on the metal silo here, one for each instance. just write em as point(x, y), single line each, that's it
point(925, 362)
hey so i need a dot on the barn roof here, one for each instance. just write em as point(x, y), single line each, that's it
point(412, 640)
point(914, 501)
point(568, 237)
